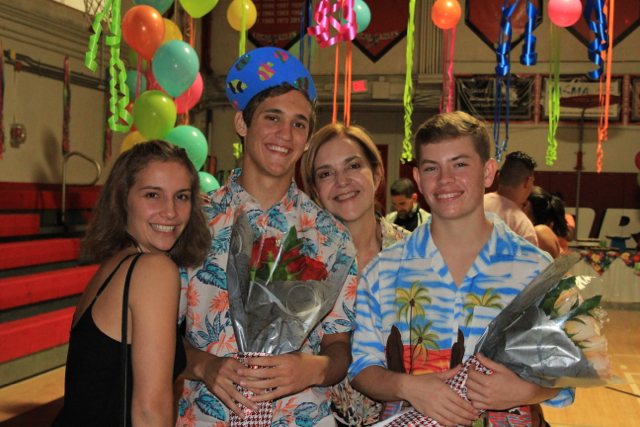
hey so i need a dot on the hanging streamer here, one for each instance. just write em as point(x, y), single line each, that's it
point(66, 108)
point(117, 70)
point(554, 93)
point(448, 44)
point(2, 140)
point(408, 87)
point(503, 73)
point(529, 55)
point(323, 15)
point(106, 146)
point(305, 21)
point(347, 84)
point(601, 41)
point(243, 31)
point(605, 100)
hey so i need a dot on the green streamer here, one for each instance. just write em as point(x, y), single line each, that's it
point(117, 77)
point(554, 93)
point(408, 88)
point(243, 30)
point(237, 149)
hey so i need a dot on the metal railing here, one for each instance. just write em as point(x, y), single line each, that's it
point(64, 177)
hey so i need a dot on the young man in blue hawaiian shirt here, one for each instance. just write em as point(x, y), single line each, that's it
point(443, 285)
point(275, 99)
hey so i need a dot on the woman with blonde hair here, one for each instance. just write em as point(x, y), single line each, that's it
point(342, 170)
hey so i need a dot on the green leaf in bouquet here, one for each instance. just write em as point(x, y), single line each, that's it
point(290, 241)
point(279, 274)
point(586, 306)
point(263, 273)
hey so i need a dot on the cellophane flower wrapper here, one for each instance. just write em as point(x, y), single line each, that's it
point(549, 335)
point(277, 293)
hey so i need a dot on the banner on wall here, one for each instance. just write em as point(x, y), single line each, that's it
point(476, 96)
point(387, 27)
point(582, 85)
point(278, 23)
point(626, 19)
point(483, 18)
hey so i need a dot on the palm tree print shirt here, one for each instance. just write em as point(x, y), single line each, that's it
point(204, 303)
point(409, 286)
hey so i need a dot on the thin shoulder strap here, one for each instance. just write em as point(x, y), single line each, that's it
point(106, 282)
point(123, 338)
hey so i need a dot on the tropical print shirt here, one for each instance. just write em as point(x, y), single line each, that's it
point(204, 303)
point(410, 287)
point(348, 405)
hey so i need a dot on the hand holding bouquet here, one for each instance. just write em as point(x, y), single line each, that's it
point(548, 335)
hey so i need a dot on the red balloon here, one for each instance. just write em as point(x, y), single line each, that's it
point(638, 160)
point(143, 30)
point(564, 13)
point(190, 97)
point(446, 13)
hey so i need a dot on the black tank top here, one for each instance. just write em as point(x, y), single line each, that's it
point(94, 389)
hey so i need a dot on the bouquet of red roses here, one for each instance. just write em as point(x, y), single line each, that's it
point(277, 293)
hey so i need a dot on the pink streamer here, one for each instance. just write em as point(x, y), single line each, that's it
point(323, 15)
point(452, 44)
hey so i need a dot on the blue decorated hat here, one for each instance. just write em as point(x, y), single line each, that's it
point(263, 68)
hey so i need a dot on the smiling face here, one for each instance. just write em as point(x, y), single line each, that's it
point(277, 136)
point(159, 205)
point(344, 180)
point(452, 178)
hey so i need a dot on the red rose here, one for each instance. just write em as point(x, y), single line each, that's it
point(269, 247)
point(313, 270)
point(296, 265)
point(636, 258)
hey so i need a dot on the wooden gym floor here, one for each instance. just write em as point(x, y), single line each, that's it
point(34, 402)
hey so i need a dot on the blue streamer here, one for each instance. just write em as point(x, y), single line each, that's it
point(305, 21)
point(503, 70)
point(529, 55)
point(599, 27)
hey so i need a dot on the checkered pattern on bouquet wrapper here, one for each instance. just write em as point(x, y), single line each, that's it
point(458, 384)
point(263, 416)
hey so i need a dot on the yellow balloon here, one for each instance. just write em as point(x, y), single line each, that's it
point(132, 139)
point(234, 14)
point(171, 31)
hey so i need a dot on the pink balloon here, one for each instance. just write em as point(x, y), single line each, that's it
point(190, 97)
point(564, 13)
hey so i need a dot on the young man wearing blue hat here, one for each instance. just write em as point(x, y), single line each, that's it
point(275, 98)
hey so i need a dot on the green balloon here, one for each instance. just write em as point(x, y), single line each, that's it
point(192, 140)
point(154, 114)
point(198, 8)
point(207, 182)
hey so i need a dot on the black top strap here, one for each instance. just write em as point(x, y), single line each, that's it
point(123, 337)
point(106, 282)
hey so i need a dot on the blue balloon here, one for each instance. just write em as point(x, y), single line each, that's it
point(192, 140)
point(207, 182)
point(160, 5)
point(363, 14)
point(175, 67)
point(132, 76)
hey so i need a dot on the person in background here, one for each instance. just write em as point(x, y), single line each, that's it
point(149, 212)
point(571, 225)
point(548, 216)
point(341, 172)
point(408, 213)
point(274, 96)
point(514, 185)
point(428, 289)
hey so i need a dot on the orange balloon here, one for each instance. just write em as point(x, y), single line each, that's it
point(143, 30)
point(446, 13)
